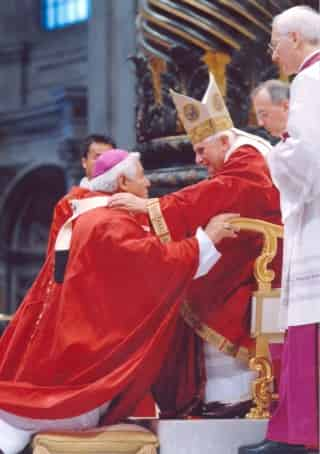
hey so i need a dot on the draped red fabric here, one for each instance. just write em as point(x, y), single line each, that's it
point(63, 210)
point(103, 334)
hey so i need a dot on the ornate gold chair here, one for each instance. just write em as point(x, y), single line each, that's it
point(265, 303)
point(264, 315)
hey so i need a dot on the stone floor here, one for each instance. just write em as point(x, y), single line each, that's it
point(205, 436)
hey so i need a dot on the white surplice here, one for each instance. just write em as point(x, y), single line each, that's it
point(295, 169)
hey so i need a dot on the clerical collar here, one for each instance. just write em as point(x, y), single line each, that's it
point(84, 183)
point(244, 138)
point(308, 60)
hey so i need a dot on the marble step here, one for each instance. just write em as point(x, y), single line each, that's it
point(207, 436)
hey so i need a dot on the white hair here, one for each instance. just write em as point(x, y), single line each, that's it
point(237, 138)
point(302, 19)
point(108, 181)
point(228, 133)
point(277, 90)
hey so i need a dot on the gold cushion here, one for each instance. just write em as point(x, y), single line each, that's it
point(119, 438)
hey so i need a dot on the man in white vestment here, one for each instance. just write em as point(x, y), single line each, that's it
point(295, 169)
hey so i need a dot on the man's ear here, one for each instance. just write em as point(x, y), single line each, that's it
point(84, 163)
point(122, 181)
point(296, 39)
point(225, 142)
point(285, 105)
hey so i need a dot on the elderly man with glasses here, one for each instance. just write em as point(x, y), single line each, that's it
point(295, 169)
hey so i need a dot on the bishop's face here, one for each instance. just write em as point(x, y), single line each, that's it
point(139, 185)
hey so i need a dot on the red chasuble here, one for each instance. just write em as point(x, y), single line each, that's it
point(103, 334)
point(218, 304)
point(63, 211)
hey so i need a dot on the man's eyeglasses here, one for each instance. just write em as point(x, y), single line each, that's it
point(272, 47)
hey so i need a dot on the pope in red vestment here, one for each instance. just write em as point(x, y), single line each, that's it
point(217, 306)
point(215, 324)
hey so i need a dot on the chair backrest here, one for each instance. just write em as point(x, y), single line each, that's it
point(265, 308)
point(265, 300)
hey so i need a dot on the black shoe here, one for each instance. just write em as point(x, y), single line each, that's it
point(272, 447)
point(217, 410)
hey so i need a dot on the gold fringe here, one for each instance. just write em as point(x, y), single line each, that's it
point(39, 449)
point(148, 449)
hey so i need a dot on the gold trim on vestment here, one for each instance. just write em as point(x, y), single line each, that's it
point(157, 220)
point(161, 229)
point(211, 336)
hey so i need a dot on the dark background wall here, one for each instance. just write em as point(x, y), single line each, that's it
point(55, 87)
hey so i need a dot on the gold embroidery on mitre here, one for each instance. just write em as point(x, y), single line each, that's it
point(191, 112)
point(217, 102)
point(209, 128)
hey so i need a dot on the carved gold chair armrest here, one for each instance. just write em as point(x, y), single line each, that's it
point(264, 314)
point(271, 233)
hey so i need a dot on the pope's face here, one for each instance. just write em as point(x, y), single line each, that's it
point(139, 185)
point(95, 150)
point(272, 117)
point(211, 154)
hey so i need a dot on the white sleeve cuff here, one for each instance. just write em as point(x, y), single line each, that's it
point(208, 254)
